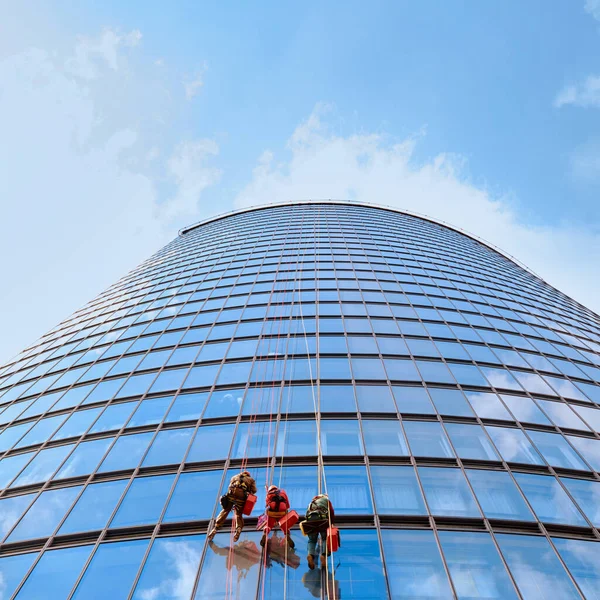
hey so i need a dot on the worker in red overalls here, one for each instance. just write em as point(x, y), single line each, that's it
point(277, 507)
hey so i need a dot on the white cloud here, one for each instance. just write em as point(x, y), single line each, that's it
point(90, 52)
point(187, 167)
point(584, 162)
point(593, 8)
point(84, 154)
point(194, 85)
point(586, 94)
point(366, 167)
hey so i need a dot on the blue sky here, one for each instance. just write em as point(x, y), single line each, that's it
point(124, 121)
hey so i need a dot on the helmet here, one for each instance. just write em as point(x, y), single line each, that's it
point(272, 488)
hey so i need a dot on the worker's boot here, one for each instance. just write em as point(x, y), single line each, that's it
point(237, 534)
point(311, 561)
point(290, 541)
point(212, 534)
point(323, 561)
point(263, 539)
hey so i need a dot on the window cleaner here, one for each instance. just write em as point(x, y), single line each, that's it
point(240, 497)
point(277, 513)
point(319, 522)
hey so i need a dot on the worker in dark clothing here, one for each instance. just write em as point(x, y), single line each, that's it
point(277, 506)
point(319, 516)
point(240, 487)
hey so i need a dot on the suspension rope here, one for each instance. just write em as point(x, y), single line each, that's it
point(271, 469)
point(320, 465)
point(251, 426)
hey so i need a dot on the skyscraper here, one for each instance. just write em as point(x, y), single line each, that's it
point(455, 393)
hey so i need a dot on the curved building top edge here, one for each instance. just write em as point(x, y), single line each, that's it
point(393, 209)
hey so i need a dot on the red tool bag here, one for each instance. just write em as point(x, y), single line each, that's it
point(287, 522)
point(333, 539)
point(249, 505)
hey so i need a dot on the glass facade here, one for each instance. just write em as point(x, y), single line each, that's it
point(456, 395)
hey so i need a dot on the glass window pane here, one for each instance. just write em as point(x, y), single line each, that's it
point(11, 510)
point(12, 434)
point(396, 491)
point(591, 415)
point(587, 496)
point(234, 373)
point(336, 398)
point(254, 439)
point(94, 507)
point(414, 566)
point(187, 407)
point(41, 431)
point(170, 569)
point(358, 572)
point(203, 376)
point(488, 406)
point(43, 465)
point(77, 424)
point(85, 458)
point(144, 501)
point(450, 402)
point(350, 488)
point(211, 443)
point(536, 568)
point(471, 375)
point(10, 466)
point(384, 438)
point(375, 398)
point(126, 453)
point(136, 385)
point(548, 499)
point(556, 450)
point(55, 574)
point(470, 441)
point(514, 446)
point(498, 495)
point(45, 514)
point(335, 368)
point(297, 438)
point(475, 566)
point(562, 414)
point(447, 492)
point(167, 381)
point(339, 438)
point(434, 372)
point(261, 401)
point(427, 439)
point(187, 504)
point(114, 417)
point(587, 447)
point(105, 390)
point(401, 370)
point(112, 570)
point(581, 558)
point(12, 571)
point(525, 410)
point(169, 447)
point(242, 562)
point(150, 412)
point(413, 400)
point(297, 399)
point(299, 483)
point(227, 403)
